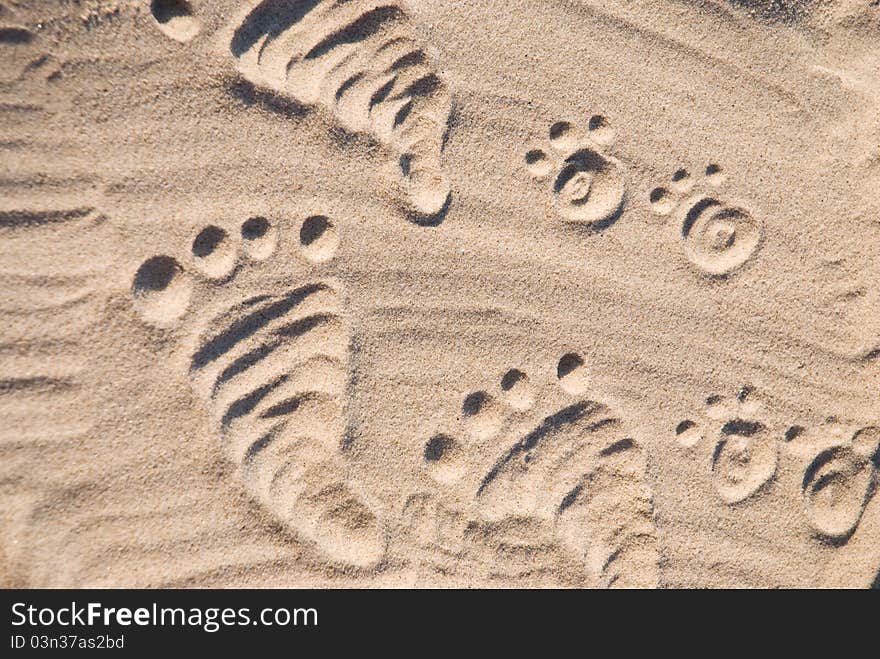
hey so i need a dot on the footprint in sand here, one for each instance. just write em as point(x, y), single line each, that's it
point(840, 465)
point(717, 237)
point(176, 19)
point(745, 447)
point(540, 469)
point(588, 185)
point(840, 480)
point(361, 61)
point(272, 368)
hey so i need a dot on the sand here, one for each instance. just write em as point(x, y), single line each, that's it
point(568, 293)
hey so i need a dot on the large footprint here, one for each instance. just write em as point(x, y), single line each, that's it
point(360, 60)
point(567, 483)
point(272, 368)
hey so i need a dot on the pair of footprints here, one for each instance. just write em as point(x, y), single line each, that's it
point(588, 188)
point(272, 370)
point(840, 471)
point(546, 457)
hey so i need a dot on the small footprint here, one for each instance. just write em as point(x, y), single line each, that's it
point(745, 452)
point(717, 237)
point(361, 61)
point(587, 184)
point(840, 466)
point(567, 482)
point(840, 480)
point(272, 369)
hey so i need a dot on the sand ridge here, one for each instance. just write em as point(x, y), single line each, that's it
point(304, 293)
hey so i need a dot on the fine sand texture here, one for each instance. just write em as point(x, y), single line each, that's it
point(520, 293)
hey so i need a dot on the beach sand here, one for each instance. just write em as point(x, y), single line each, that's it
point(567, 293)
